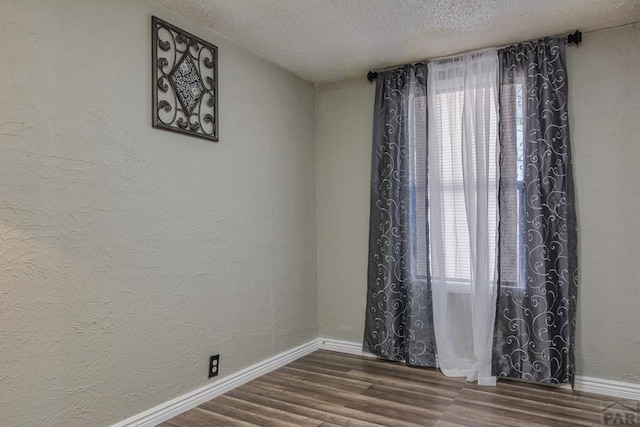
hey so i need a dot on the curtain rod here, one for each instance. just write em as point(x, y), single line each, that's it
point(573, 38)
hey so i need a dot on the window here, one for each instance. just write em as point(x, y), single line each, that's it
point(512, 192)
point(456, 268)
point(418, 180)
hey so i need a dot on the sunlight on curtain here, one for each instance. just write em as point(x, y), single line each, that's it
point(463, 210)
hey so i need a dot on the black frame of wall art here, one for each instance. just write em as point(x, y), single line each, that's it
point(184, 81)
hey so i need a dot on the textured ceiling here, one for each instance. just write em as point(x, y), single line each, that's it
point(327, 40)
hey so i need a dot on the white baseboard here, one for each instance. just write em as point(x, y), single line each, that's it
point(340, 346)
point(180, 404)
point(610, 388)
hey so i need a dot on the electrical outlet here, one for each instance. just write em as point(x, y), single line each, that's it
point(214, 365)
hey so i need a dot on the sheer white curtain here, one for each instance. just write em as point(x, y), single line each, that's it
point(463, 210)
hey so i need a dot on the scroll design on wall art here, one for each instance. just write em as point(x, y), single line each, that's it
point(185, 82)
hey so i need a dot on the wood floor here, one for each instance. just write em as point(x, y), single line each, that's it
point(333, 389)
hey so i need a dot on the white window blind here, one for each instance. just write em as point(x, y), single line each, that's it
point(512, 193)
point(419, 187)
point(449, 115)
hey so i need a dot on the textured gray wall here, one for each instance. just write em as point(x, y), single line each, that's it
point(128, 254)
point(605, 123)
point(344, 122)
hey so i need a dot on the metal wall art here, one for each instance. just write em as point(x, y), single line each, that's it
point(185, 82)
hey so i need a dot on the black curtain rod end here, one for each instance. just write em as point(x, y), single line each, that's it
point(575, 38)
point(372, 75)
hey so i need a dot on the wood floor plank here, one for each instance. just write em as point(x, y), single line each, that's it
point(556, 410)
point(226, 406)
point(376, 366)
point(434, 404)
point(339, 409)
point(343, 382)
point(355, 362)
point(450, 420)
point(474, 414)
point(314, 366)
point(294, 406)
point(412, 384)
point(197, 417)
point(333, 393)
point(506, 415)
point(573, 400)
point(250, 405)
point(398, 414)
point(333, 389)
point(441, 423)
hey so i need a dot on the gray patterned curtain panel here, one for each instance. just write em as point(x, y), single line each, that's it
point(399, 323)
point(537, 254)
